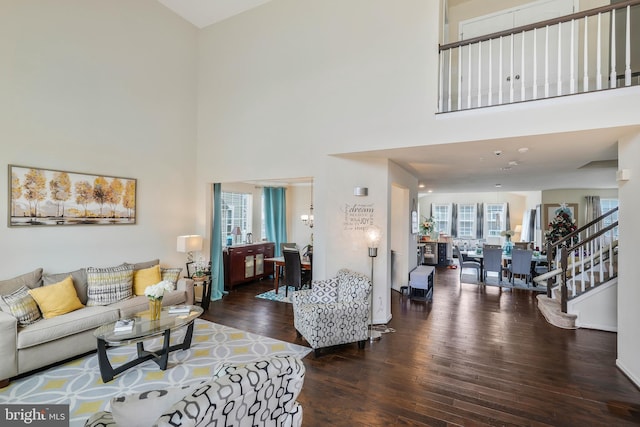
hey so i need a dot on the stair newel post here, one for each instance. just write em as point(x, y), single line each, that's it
point(551, 266)
point(563, 289)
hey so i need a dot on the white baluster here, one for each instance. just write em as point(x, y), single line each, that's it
point(601, 254)
point(613, 77)
point(627, 51)
point(592, 254)
point(599, 54)
point(546, 62)
point(490, 95)
point(469, 80)
point(572, 260)
point(535, 64)
point(559, 82)
point(449, 90)
point(479, 74)
point(511, 76)
point(522, 70)
point(583, 275)
point(585, 53)
point(572, 80)
point(441, 89)
point(500, 72)
point(459, 77)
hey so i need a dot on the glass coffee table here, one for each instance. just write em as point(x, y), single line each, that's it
point(143, 329)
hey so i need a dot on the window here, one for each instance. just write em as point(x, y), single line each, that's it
point(442, 216)
point(467, 221)
point(494, 219)
point(605, 206)
point(236, 212)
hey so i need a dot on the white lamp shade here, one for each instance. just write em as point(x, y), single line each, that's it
point(373, 235)
point(190, 243)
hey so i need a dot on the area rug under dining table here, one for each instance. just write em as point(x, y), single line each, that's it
point(78, 383)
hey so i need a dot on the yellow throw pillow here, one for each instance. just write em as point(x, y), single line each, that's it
point(56, 299)
point(145, 277)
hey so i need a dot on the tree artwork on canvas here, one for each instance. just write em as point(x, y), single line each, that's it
point(50, 197)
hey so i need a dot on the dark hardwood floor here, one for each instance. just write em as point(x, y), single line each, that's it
point(474, 356)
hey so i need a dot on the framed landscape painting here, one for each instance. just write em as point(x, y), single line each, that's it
point(52, 197)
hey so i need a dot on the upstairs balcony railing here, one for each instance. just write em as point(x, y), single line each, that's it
point(586, 51)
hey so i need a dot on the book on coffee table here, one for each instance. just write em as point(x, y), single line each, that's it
point(179, 309)
point(123, 325)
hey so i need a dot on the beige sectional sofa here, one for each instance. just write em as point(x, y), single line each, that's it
point(46, 341)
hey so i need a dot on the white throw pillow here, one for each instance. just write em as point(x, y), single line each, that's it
point(143, 409)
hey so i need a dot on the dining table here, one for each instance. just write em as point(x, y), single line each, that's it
point(506, 257)
point(278, 263)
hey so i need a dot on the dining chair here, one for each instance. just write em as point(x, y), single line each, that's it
point(466, 262)
point(520, 265)
point(523, 245)
point(290, 245)
point(292, 270)
point(492, 262)
point(283, 245)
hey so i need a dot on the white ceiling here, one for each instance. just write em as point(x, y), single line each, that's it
point(206, 12)
point(552, 161)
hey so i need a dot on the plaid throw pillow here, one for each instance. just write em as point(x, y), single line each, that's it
point(171, 274)
point(22, 306)
point(108, 285)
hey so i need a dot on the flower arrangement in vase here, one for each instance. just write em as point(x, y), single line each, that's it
point(427, 226)
point(154, 294)
point(508, 244)
point(200, 269)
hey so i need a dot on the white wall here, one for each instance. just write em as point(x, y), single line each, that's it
point(628, 289)
point(405, 243)
point(104, 87)
point(298, 201)
point(343, 218)
point(577, 195)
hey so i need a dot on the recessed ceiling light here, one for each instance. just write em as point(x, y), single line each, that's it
point(420, 185)
point(498, 185)
point(506, 168)
point(513, 163)
point(523, 150)
point(429, 191)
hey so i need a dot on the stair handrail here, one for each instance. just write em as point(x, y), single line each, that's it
point(565, 248)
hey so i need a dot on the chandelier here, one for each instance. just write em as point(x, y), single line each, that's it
point(307, 219)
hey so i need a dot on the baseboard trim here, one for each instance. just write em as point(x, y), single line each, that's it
point(628, 374)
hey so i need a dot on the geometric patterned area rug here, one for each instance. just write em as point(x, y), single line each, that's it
point(78, 383)
point(279, 296)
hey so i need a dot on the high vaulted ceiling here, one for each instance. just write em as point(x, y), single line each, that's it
point(572, 160)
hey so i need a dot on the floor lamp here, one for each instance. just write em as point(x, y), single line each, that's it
point(373, 239)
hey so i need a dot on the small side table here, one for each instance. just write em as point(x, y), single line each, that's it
point(206, 289)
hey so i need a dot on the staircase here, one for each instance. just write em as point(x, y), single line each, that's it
point(582, 279)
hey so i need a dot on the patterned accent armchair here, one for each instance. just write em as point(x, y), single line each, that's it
point(334, 311)
point(261, 393)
